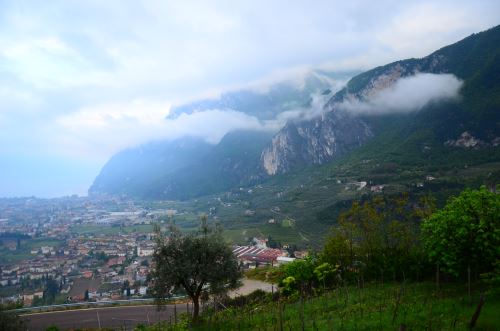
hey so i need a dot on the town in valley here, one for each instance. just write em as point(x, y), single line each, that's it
point(77, 249)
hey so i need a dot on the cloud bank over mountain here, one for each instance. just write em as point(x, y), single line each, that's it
point(116, 126)
point(127, 125)
point(407, 94)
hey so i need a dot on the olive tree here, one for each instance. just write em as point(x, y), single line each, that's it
point(195, 263)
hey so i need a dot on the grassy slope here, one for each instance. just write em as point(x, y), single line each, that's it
point(314, 198)
point(375, 307)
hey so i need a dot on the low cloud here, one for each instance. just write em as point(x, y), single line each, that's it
point(407, 95)
point(105, 129)
point(316, 108)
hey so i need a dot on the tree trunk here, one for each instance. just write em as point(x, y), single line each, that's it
point(196, 308)
point(468, 282)
point(474, 318)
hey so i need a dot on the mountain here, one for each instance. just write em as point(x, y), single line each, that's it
point(438, 149)
point(474, 60)
point(184, 168)
point(312, 168)
point(130, 171)
point(234, 161)
point(188, 167)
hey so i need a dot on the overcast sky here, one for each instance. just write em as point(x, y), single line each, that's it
point(81, 80)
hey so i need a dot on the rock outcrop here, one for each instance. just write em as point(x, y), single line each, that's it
point(316, 141)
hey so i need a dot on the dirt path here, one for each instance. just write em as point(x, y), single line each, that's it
point(250, 285)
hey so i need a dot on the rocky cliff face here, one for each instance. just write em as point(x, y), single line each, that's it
point(335, 132)
point(468, 141)
point(323, 139)
point(315, 141)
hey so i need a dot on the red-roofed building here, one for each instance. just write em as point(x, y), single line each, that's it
point(116, 261)
point(251, 256)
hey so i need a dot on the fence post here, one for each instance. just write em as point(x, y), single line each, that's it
point(280, 315)
point(98, 319)
point(437, 276)
point(175, 313)
point(302, 313)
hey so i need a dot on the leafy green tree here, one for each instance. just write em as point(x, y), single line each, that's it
point(325, 272)
point(38, 301)
point(299, 273)
point(50, 292)
point(288, 285)
point(338, 248)
point(197, 262)
point(101, 256)
point(465, 234)
point(377, 237)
